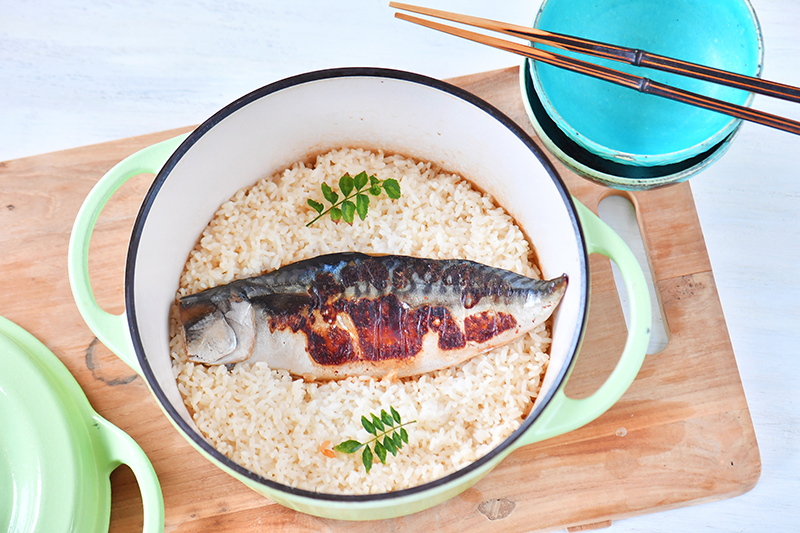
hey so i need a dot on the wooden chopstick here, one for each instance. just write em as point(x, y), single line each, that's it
point(638, 83)
point(639, 58)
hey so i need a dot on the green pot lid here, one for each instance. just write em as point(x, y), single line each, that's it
point(56, 452)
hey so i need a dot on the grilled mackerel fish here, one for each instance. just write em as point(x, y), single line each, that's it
point(351, 314)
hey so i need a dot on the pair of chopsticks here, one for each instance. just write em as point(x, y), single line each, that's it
point(617, 53)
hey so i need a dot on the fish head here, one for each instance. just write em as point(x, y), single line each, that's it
point(217, 333)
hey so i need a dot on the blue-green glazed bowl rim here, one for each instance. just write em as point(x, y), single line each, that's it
point(605, 171)
point(711, 143)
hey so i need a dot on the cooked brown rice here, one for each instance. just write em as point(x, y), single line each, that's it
point(275, 424)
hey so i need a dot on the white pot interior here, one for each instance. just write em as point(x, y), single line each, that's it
point(397, 112)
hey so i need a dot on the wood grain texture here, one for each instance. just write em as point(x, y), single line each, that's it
point(681, 435)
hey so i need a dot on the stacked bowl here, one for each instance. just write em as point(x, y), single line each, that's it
point(630, 140)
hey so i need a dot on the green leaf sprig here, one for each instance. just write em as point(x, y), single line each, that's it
point(353, 188)
point(388, 427)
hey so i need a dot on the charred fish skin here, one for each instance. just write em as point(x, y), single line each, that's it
point(349, 313)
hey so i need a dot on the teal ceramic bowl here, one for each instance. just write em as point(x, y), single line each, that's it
point(633, 129)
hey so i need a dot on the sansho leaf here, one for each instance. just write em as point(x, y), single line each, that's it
point(368, 425)
point(348, 211)
point(377, 423)
point(352, 189)
point(316, 206)
point(348, 446)
point(388, 437)
point(329, 193)
point(366, 458)
point(392, 188)
point(346, 184)
point(360, 180)
point(388, 443)
point(362, 205)
point(380, 451)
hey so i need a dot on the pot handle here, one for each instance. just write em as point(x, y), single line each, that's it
point(112, 330)
point(120, 448)
point(565, 414)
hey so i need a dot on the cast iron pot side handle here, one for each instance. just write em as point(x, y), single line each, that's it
point(565, 414)
point(111, 330)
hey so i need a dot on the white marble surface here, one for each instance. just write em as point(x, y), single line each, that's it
point(75, 72)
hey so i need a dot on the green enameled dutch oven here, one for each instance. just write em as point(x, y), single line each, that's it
point(400, 112)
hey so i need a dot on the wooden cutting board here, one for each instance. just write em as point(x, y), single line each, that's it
point(681, 435)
